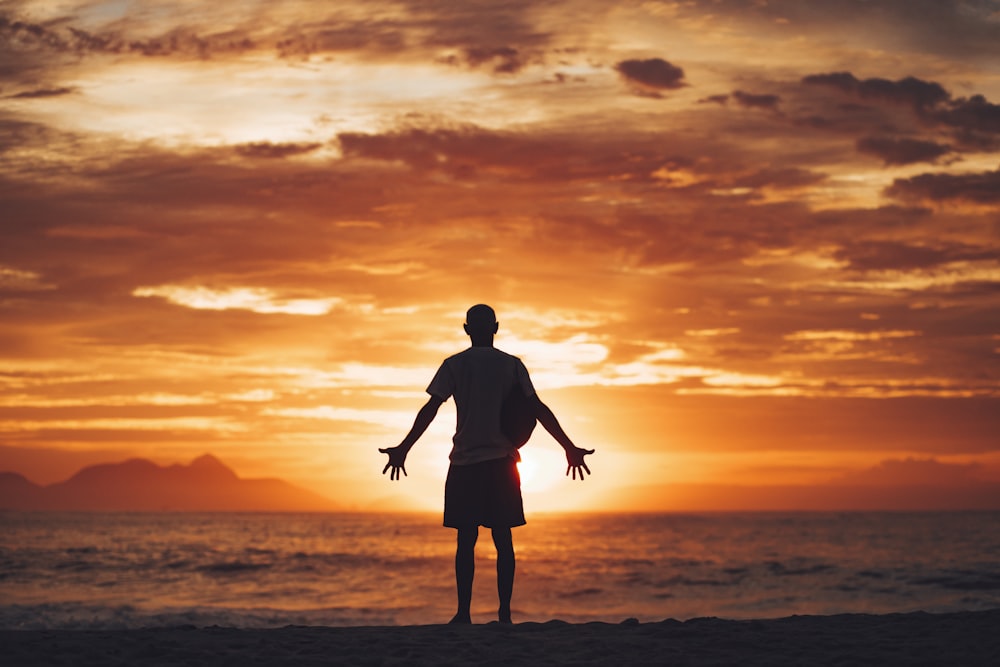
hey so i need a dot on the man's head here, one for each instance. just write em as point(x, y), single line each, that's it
point(481, 321)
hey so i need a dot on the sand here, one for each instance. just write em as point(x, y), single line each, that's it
point(968, 638)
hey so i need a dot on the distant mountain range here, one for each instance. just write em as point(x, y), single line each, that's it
point(205, 484)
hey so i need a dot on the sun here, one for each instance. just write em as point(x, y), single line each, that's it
point(540, 469)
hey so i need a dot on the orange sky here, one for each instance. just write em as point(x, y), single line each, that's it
point(736, 243)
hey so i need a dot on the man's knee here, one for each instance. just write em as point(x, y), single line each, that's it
point(467, 537)
point(503, 540)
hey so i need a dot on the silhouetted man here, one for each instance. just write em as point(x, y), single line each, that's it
point(483, 487)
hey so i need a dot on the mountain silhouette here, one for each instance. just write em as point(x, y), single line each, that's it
point(205, 484)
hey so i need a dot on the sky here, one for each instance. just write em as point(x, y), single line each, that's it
point(749, 250)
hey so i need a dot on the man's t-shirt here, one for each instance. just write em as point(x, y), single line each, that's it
point(479, 378)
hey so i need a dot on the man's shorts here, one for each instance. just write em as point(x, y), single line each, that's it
point(484, 494)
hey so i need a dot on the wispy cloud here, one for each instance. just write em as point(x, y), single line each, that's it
point(256, 299)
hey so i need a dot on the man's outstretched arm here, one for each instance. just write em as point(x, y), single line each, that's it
point(397, 454)
point(574, 454)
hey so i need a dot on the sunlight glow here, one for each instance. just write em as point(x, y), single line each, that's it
point(841, 334)
point(166, 424)
point(17, 279)
point(742, 380)
point(388, 418)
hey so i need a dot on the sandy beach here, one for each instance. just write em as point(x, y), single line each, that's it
point(966, 638)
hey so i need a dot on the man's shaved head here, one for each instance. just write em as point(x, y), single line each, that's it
point(480, 319)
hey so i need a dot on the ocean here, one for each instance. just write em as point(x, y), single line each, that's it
point(130, 570)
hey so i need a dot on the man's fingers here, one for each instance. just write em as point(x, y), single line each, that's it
point(386, 467)
point(586, 468)
point(383, 450)
point(403, 468)
point(568, 469)
point(589, 451)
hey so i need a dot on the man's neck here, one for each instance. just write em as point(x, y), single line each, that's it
point(482, 342)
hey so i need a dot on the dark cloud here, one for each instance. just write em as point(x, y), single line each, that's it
point(17, 133)
point(975, 121)
point(714, 99)
point(894, 151)
point(910, 91)
point(484, 33)
point(470, 152)
point(505, 60)
point(336, 36)
point(896, 472)
point(501, 59)
point(965, 29)
point(979, 188)
point(784, 177)
point(655, 74)
point(17, 35)
point(42, 92)
point(900, 256)
point(266, 149)
point(751, 100)
point(457, 151)
point(974, 114)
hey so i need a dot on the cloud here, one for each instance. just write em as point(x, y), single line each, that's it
point(385, 418)
point(42, 92)
point(504, 59)
point(266, 149)
point(976, 188)
point(943, 29)
point(14, 280)
point(652, 75)
point(58, 37)
point(714, 99)
point(753, 101)
point(974, 114)
point(482, 32)
point(915, 472)
point(256, 299)
point(895, 151)
point(843, 335)
point(874, 255)
point(910, 91)
point(975, 120)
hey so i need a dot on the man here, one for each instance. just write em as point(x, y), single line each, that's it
point(483, 487)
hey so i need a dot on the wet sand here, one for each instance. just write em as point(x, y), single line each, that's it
point(967, 638)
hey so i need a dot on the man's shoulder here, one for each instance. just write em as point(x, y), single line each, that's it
point(470, 353)
point(483, 350)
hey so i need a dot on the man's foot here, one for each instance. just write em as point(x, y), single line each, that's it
point(504, 615)
point(461, 619)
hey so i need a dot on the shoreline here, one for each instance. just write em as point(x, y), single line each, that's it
point(916, 638)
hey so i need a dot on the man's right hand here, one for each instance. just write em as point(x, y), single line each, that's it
point(397, 460)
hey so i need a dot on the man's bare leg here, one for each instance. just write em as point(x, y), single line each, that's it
point(465, 570)
point(504, 543)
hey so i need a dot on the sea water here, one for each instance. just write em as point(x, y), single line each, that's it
point(125, 570)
